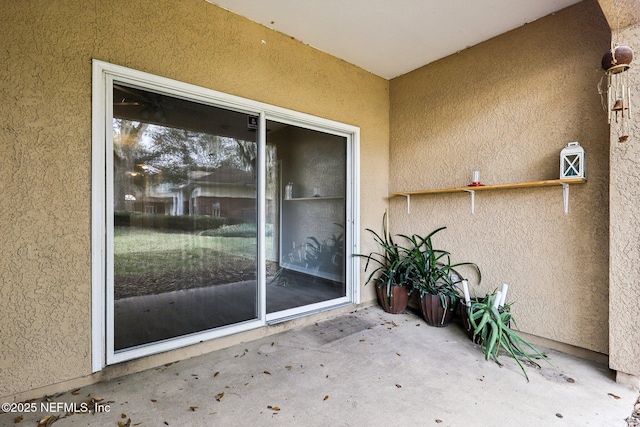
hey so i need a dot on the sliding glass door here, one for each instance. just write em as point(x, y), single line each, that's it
point(184, 217)
point(308, 215)
point(212, 214)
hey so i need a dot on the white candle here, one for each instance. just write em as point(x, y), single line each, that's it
point(465, 289)
point(496, 301)
point(505, 287)
point(476, 176)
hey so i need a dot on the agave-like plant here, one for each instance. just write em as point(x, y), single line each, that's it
point(492, 330)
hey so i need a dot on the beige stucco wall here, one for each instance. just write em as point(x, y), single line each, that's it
point(507, 107)
point(45, 146)
point(624, 304)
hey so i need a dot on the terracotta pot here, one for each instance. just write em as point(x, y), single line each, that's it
point(399, 298)
point(433, 311)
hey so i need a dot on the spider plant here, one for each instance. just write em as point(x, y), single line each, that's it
point(492, 330)
point(431, 271)
point(389, 265)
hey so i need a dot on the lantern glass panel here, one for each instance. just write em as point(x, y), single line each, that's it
point(572, 165)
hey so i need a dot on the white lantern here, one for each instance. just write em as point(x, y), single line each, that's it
point(572, 161)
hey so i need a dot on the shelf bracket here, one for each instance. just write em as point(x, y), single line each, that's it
point(408, 196)
point(473, 200)
point(565, 197)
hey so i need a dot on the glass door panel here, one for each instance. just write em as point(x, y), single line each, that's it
point(184, 217)
point(306, 188)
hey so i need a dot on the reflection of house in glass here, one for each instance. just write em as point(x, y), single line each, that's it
point(228, 192)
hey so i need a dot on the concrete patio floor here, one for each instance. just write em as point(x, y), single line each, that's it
point(366, 367)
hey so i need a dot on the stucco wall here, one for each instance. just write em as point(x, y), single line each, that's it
point(45, 147)
point(507, 107)
point(624, 315)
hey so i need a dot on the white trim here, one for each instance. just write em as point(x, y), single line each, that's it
point(97, 219)
point(262, 217)
point(108, 209)
point(305, 310)
point(182, 341)
point(353, 215)
point(102, 223)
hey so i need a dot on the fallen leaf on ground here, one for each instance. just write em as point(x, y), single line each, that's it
point(216, 374)
point(17, 420)
point(571, 380)
point(614, 396)
point(438, 421)
point(219, 396)
point(267, 372)
point(325, 398)
point(97, 398)
point(398, 385)
point(193, 408)
point(48, 420)
point(398, 354)
point(559, 415)
point(123, 416)
point(154, 400)
point(288, 367)
point(123, 424)
point(76, 392)
point(273, 408)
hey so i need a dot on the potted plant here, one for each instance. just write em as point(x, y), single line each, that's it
point(326, 255)
point(389, 271)
point(490, 326)
point(434, 278)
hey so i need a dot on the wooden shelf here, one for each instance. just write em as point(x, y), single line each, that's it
point(472, 189)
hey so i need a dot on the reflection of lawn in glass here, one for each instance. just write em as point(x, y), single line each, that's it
point(151, 262)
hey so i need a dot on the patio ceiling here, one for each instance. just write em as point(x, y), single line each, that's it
point(392, 37)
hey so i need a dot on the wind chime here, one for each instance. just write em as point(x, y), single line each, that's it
point(617, 94)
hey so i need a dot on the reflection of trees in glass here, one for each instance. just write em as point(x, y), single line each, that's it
point(175, 152)
point(126, 149)
point(142, 150)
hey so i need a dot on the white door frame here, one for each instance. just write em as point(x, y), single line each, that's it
point(102, 224)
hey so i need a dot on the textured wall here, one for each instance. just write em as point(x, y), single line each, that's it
point(507, 107)
point(45, 146)
point(624, 306)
